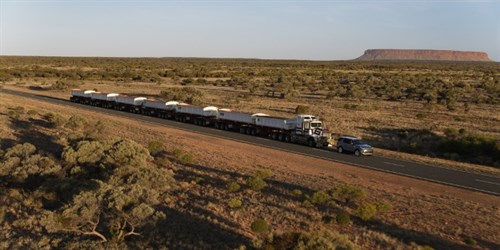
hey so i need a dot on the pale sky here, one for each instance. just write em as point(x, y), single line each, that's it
point(315, 30)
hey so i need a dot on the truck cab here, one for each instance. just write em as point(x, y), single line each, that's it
point(309, 130)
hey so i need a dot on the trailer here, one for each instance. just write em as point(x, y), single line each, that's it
point(196, 114)
point(105, 100)
point(159, 108)
point(81, 96)
point(302, 129)
point(129, 103)
point(238, 121)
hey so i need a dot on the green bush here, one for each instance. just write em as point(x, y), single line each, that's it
point(55, 120)
point(297, 192)
point(301, 109)
point(185, 94)
point(256, 183)
point(264, 173)
point(320, 197)
point(235, 203)
point(155, 147)
point(321, 240)
point(77, 122)
point(470, 241)
point(343, 218)
point(260, 226)
point(367, 212)
point(348, 193)
point(233, 187)
point(32, 112)
point(183, 156)
point(383, 206)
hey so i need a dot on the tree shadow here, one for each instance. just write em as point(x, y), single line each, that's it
point(26, 132)
point(190, 230)
point(409, 236)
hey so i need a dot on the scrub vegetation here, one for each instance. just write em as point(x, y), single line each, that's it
point(425, 110)
point(76, 180)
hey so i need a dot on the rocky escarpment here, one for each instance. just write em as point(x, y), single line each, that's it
point(423, 55)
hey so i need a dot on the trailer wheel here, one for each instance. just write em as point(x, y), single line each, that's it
point(287, 138)
point(311, 143)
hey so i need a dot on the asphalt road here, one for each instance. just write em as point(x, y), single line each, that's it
point(472, 181)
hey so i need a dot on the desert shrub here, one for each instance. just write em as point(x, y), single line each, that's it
point(343, 218)
point(77, 122)
point(367, 212)
point(235, 203)
point(55, 120)
point(320, 197)
point(13, 114)
point(301, 109)
point(19, 109)
point(263, 173)
point(260, 226)
point(183, 156)
point(321, 240)
point(155, 147)
point(256, 183)
point(21, 162)
point(116, 152)
point(348, 193)
point(184, 94)
point(297, 192)
point(370, 211)
point(470, 241)
point(63, 85)
point(32, 112)
point(421, 116)
point(233, 187)
point(383, 206)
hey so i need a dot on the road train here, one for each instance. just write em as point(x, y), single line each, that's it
point(302, 129)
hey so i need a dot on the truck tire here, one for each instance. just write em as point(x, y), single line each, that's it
point(357, 153)
point(311, 143)
point(340, 150)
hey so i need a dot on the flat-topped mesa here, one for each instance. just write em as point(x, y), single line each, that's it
point(423, 55)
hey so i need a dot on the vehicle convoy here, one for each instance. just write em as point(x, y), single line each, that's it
point(353, 144)
point(302, 129)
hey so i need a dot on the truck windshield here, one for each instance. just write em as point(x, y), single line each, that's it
point(315, 124)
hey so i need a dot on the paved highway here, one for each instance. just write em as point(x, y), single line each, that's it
point(472, 181)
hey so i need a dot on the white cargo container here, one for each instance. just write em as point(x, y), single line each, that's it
point(197, 110)
point(241, 117)
point(104, 96)
point(130, 100)
point(275, 122)
point(154, 104)
point(158, 104)
point(82, 93)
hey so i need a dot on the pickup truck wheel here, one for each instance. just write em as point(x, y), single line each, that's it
point(311, 143)
point(340, 150)
point(357, 153)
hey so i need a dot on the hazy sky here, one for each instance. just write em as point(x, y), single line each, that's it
point(321, 30)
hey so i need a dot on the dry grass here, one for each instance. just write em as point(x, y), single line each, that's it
point(377, 121)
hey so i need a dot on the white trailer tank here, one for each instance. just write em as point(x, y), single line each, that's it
point(130, 100)
point(104, 96)
point(81, 93)
point(197, 110)
point(234, 116)
point(275, 122)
